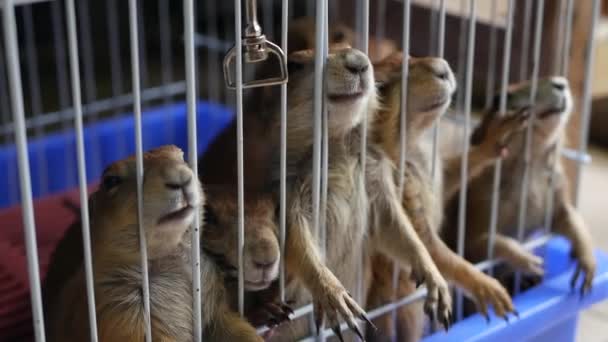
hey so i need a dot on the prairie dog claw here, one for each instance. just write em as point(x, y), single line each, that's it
point(332, 300)
point(438, 304)
point(585, 266)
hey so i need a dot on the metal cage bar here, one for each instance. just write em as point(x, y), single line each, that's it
point(134, 38)
point(16, 93)
point(405, 43)
point(191, 69)
point(562, 66)
point(82, 177)
point(440, 54)
point(523, 200)
point(470, 56)
point(283, 141)
point(502, 109)
point(239, 147)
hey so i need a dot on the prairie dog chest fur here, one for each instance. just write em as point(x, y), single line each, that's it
point(350, 94)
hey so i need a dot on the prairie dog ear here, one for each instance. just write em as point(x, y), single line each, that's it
point(389, 69)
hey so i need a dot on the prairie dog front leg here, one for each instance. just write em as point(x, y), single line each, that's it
point(508, 249)
point(569, 222)
point(303, 260)
point(395, 236)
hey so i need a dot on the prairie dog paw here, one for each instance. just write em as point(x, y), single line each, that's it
point(438, 303)
point(585, 265)
point(488, 291)
point(331, 300)
point(523, 259)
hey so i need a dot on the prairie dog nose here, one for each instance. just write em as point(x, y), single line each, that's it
point(177, 176)
point(355, 61)
point(559, 83)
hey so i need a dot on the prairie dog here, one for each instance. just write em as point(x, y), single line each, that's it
point(350, 94)
point(430, 87)
point(116, 249)
point(170, 195)
point(553, 106)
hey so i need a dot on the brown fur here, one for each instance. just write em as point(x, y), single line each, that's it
point(430, 85)
point(553, 108)
point(348, 206)
point(116, 260)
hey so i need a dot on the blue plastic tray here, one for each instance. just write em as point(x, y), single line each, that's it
point(548, 312)
point(105, 142)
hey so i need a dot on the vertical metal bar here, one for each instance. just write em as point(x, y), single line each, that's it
point(134, 45)
point(82, 176)
point(239, 147)
point(16, 92)
point(189, 20)
point(324, 153)
point(440, 54)
point(283, 185)
point(506, 64)
point(586, 106)
point(521, 222)
point(318, 121)
point(470, 56)
point(34, 86)
point(318, 113)
point(405, 44)
point(562, 69)
point(324, 147)
point(525, 40)
point(365, 49)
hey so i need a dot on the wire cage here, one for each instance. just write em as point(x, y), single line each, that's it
point(85, 83)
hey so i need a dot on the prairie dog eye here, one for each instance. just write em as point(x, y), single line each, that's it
point(110, 182)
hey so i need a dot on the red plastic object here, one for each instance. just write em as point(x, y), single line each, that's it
point(52, 218)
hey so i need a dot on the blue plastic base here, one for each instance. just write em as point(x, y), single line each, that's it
point(53, 157)
point(548, 312)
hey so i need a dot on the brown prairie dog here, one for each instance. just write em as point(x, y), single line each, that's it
point(261, 251)
point(350, 94)
point(170, 195)
point(430, 87)
point(552, 110)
